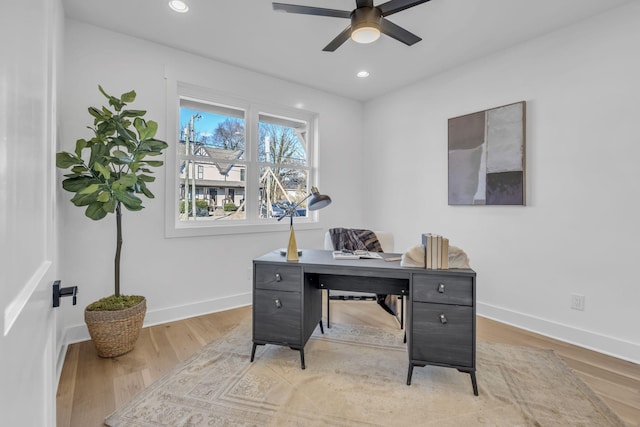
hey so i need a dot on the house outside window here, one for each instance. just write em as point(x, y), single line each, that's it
point(245, 163)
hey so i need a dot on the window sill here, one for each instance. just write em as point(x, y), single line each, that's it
point(202, 228)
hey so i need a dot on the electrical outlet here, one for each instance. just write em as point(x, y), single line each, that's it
point(577, 302)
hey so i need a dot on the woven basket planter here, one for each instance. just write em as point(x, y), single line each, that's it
point(115, 333)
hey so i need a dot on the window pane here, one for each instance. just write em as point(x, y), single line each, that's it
point(217, 196)
point(211, 162)
point(282, 141)
point(206, 125)
point(281, 188)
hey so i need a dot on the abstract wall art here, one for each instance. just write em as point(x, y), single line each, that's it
point(487, 157)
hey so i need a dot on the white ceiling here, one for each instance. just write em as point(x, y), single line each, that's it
point(249, 34)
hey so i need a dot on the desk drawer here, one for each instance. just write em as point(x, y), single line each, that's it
point(443, 289)
point(277, 317)
point(278, 277)
point(442, 334)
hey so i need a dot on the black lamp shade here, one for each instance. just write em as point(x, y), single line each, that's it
point(317, 200)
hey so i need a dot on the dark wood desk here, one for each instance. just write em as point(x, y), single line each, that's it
point(441, 308)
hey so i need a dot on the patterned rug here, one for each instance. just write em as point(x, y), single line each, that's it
point(356, 375)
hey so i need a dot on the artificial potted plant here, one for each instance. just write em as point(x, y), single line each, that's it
point(113, 172)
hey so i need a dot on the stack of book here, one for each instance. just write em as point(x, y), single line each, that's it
point(436, 251)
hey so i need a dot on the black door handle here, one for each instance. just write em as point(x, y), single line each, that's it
point(59, 292)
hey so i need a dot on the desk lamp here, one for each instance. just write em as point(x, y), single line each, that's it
point(316, 201)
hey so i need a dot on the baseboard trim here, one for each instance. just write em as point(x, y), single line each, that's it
point(78, 333)
point(610, 346)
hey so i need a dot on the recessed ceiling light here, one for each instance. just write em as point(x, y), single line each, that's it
point(362, 74)
point(178, 6)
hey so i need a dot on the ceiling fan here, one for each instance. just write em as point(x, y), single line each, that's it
point(367, 21)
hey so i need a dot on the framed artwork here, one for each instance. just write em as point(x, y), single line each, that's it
point(487, 157)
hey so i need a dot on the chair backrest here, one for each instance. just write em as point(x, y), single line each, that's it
point(384, 237)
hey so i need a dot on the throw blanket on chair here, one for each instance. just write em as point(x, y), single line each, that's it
point(352, 239)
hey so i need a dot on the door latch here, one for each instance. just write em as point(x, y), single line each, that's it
point(59, 292)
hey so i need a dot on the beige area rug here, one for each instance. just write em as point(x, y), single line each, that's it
point(356, 375)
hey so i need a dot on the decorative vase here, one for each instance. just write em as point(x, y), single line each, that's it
point(115, 333)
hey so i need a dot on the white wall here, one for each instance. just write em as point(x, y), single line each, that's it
point(183, 277)
point(579, 231)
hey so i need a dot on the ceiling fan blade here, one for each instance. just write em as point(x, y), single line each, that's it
point(395, 6)
point(392, 30)
point(339, 40)
point(364, 3)
point(309, 10)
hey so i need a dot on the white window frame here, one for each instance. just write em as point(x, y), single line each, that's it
point(174, 227)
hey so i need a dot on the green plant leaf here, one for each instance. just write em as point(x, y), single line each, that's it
point(125, 133)
point(102, 170)
point(110, 205)
point(65, 160)
point(95, 211)
point(96, 113)
point(104, 196)
point(152, 146)
point(113, 101)
point(129, 200)
point(123, 157)
point(90, 189)
point(98, 152)
point(106, 113)
point(146, 192)
point(129, 96)
point(84, 199)
point(146, 130)
point(146, 178)
point(127, 180)
point(76, 184)
point(154, 162)
point(79, 169)
point(133, 113)
point(80, 145)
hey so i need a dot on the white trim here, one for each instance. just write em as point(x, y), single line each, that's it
point(253, 108)
point(78, 333)
point(14, 308)
point(611, 346)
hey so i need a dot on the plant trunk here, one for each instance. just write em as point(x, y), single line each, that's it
point(118, 248)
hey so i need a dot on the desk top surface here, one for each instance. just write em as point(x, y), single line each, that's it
point(322, 261)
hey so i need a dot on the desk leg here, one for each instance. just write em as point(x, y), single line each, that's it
point(321, 327)
point(328, 308)
point(474, 383)
point(409, 373)
point(302, 358)
point(253, 351)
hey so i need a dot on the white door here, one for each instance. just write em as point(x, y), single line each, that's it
point(30, 33)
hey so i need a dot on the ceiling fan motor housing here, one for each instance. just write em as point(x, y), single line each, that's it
point(366, 17)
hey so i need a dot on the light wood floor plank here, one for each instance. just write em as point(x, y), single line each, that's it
point(91, 388)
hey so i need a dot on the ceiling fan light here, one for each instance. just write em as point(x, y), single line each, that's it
point(365, 34)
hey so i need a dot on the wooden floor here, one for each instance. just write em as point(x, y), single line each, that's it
point(91, 388)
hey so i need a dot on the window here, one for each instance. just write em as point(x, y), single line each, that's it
point(239, 163)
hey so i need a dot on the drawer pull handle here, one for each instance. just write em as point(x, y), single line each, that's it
point(441, 288)
point(443, 319)
point(277, 302)
point(278, 277)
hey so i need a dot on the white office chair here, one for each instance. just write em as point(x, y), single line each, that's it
point(387, 244)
